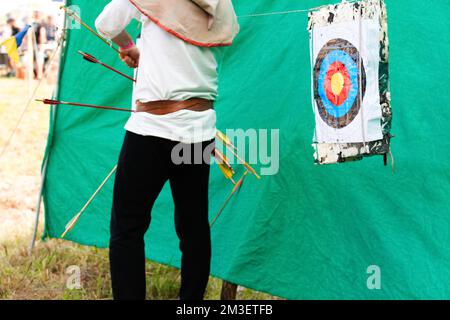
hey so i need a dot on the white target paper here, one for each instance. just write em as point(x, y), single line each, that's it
point(338, 84)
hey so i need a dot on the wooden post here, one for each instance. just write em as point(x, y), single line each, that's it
point(229, 291)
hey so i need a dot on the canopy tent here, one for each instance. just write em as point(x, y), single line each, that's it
point(308, 232)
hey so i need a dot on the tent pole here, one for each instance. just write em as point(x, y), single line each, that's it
point(44, 168)
point(41, 189)
point(44, 171)
point(38, 206)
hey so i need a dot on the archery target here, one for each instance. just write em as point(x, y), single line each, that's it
point(345, 59)
point(339, 83)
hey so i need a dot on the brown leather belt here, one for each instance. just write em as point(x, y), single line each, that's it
point(163, 107)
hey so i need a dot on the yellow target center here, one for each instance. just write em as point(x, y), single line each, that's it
point(337, 83)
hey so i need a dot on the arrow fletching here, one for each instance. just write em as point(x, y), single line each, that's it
point(88, 57)
point(48, 101)
point(224, 165)
point(224, 139)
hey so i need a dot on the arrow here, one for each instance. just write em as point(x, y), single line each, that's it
point(74, 220)
point(236, 188)
point(90, 58)
point(56, 102)
point(224, 139)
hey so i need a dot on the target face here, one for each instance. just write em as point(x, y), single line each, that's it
point(337, 79)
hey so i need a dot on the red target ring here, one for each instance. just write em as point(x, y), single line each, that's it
point(337, 83)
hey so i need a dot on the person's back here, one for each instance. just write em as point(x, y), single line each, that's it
point(176, 85)
point(50, 29)
point(169, 69)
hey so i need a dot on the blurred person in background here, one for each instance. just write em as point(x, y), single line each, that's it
point(40, 39)
point(24, 57)
point(51, 34)
point(50, 29)
point(14, 28)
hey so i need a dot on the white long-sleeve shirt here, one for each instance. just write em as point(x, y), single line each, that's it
point(169, 69)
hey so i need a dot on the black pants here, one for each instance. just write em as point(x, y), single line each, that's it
point(145, 164)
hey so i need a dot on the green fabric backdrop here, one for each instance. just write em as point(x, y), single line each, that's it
point(309, 232)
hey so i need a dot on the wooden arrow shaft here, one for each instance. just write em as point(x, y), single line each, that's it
point(236, 187)
point(91, 58)
point(78, 19)
point(75, 219)
point(117, 71)
point(85, 105)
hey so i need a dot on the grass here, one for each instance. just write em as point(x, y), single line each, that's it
point(43, 274)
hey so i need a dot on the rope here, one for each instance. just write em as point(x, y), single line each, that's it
point(265, 14)
point(274, 13)
point(313, 100)
point(361, 104)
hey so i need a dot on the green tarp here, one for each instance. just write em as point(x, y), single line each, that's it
point(309, 232)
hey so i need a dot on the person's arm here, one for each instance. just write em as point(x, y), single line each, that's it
point(129, 53)
point(111, 24)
